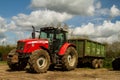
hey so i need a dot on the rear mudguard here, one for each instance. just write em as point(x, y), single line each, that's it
point(64, 48)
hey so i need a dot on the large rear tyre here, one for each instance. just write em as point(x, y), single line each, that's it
point(39, 61)
point(70, 59)
point(14, 63)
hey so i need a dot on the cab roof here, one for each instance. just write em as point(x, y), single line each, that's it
point(52, 29)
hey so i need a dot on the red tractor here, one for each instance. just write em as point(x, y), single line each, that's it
point(49, 50)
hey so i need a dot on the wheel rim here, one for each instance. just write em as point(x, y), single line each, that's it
point(96, 65)
point(41, 62)
point(71, 59)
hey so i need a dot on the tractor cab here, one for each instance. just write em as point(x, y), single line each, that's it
point(56, 37)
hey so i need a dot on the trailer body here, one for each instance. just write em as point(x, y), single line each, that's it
point(89, 51)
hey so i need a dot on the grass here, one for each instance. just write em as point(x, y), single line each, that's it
point(3, 62)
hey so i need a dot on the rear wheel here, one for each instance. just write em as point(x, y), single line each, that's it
point(14, 63)
point(70, 59)
point(39, 61)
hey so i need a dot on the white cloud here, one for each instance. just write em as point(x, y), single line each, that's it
point(84, 30)
point(11, 25)
point(2, 24)
point(75, 7)
point(114, 11)
point(3, 41)
point(108, 31)
point(3, 28)
point(40, 18)
point(98, 5)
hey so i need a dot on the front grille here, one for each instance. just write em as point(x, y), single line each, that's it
point(20, 45)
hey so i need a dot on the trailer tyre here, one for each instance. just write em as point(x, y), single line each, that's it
point(95, 63)
point(39, 61)
point(70, 59)
point(100, 63)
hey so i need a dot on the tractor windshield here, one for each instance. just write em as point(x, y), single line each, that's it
point(49, 36)
point(53, 34)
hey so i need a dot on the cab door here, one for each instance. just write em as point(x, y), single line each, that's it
point(58, 41)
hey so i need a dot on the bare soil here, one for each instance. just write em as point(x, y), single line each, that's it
point(77, 74)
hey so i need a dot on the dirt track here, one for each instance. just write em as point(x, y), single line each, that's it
point(77, 74)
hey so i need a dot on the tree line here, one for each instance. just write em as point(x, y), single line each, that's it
point(4, 50)
point(112, 50)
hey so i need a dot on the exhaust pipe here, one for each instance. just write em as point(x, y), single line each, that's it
point(33, 33)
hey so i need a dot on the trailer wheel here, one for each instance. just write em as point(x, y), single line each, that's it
point(70, 59)
point(14, 63)
point(100, 63)
point(39, 61)
point(95, 63)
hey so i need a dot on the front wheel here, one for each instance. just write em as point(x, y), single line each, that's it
point(13, 61)
point(39, 61)
point(70, 59)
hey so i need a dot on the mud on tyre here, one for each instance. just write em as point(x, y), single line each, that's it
point(39, 61)
point(100, 63)
point(15, 64)
point(95, 64)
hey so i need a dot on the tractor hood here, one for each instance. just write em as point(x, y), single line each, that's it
point(34, 41)
point(30, 45)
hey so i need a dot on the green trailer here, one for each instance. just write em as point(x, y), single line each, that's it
point(89, 52)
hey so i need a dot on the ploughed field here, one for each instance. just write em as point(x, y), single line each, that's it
point(57, 74)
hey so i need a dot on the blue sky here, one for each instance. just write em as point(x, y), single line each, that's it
point(9, 8)
point(98, 19)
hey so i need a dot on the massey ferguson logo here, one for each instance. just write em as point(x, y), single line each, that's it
point(33, 42)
